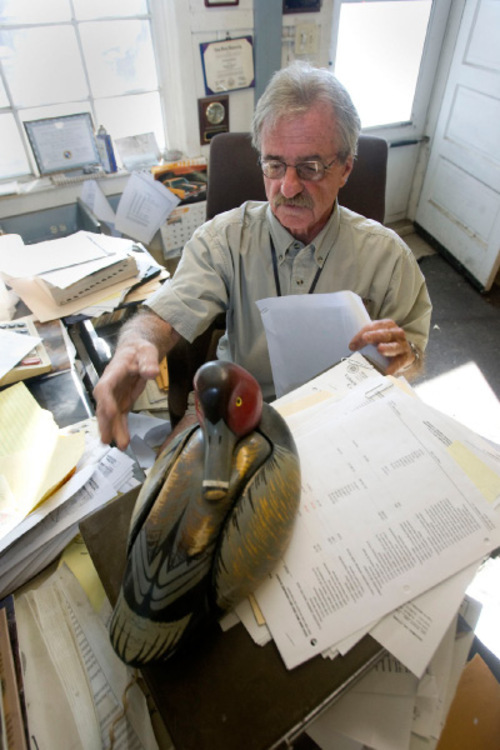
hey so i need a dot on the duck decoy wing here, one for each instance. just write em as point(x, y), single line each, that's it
point(155, 480)
point(260, 523)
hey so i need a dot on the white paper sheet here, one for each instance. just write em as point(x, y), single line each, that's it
point(144, 207)
point(94, 198)
point(308, 333)
point(13, 347)
point(413, 632)
point(41, 257)
point(377, 711)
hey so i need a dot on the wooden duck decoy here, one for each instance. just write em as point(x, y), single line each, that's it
point(212, 519)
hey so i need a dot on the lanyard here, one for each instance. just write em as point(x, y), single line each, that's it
point(276, 275)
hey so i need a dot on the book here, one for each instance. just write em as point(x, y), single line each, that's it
point(108, 272)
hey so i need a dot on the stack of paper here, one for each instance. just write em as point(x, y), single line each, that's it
point(35, 457)
point(62, 277)
point(391, 709)
point(70, 667)
point(31, 540)
point(399, 506)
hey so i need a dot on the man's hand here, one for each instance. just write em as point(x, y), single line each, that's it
point(143, 342)
point(121, 384)
point(390, 341)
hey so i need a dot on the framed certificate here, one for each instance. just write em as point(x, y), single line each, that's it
point(228, 65)
point(64, 143)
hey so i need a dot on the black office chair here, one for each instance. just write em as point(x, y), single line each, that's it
point(234, 176)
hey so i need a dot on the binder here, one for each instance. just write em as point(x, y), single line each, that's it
point(123, 268)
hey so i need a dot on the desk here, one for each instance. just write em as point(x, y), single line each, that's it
point(242, 694)
point(226, 693)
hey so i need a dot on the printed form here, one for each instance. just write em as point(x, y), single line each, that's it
point(377, 527)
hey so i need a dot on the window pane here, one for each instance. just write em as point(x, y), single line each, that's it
point(36, 76)
point(119, 57)
point(379, 49)
point(132, 115)
point(34, 11)
point(86, 9)
point(13, 162)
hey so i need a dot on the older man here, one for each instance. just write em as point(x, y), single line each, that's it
point(301, 241)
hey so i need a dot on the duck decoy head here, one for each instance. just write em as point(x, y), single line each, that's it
point(229, 406)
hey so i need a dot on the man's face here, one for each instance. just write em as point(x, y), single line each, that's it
point(301, 206)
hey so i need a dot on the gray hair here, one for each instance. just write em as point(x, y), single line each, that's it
point(294, 90)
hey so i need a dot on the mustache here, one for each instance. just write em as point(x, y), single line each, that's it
point(301, 201)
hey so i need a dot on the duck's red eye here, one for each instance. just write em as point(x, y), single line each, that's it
point(239, 401)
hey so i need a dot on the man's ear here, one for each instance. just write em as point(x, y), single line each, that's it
point(348, 165)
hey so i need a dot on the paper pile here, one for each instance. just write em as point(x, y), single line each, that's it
point(70, 275)
point(400, 504)
point(69, 664)
point(30, 541)
point(35, 457)
point(391, 709)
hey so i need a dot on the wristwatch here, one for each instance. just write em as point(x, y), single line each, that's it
point(415, 350)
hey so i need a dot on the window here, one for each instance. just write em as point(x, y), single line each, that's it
point(61, 57)
point(379, 50)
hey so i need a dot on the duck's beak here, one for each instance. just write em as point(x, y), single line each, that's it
point(219, 446)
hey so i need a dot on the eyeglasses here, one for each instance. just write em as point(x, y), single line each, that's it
point(312, 170)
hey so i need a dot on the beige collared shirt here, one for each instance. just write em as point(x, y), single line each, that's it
point(227, 266)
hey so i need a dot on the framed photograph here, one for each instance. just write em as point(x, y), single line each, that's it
point(301, 6)
point(216, 3)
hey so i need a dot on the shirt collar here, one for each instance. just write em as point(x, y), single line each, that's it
point(322, 243)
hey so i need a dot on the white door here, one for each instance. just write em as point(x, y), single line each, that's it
point(460, 201)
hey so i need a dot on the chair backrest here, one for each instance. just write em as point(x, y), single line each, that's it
point(234, 176)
